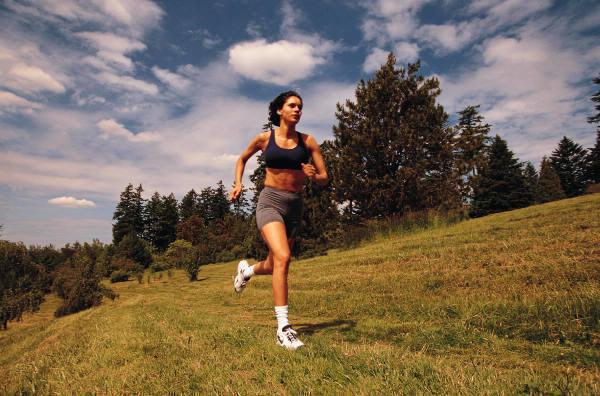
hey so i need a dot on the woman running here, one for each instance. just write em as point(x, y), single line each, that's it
point(279, 209)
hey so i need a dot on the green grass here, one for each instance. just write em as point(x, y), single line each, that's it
point(505, 304)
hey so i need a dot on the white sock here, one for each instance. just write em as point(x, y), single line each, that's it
point(281, 313)
point(248, 272)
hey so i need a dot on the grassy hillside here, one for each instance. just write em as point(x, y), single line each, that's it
point(509, 303)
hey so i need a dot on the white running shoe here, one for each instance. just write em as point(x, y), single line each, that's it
point(288, 338)
point(240, 281)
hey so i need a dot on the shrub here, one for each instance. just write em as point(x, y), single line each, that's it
point(158, 266)
point(119, 276)
point(86, 291)
point(133, 248)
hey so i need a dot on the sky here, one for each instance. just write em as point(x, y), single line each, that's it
point(98, 94)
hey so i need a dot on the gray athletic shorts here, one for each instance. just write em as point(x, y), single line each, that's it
point(282, 206)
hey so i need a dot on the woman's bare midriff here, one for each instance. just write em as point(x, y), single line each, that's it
point(285, 179)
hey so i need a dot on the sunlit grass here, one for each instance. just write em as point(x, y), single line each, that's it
point(509, 303)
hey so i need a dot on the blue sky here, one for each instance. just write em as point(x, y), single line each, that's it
point(101, 93)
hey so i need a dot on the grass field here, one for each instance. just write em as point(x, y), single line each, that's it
point(505, 304)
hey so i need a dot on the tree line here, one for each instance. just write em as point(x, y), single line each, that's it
point(394, 156)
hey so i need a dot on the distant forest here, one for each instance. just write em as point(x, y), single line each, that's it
point(394, 162)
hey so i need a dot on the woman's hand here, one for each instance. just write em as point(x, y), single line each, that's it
point(235, 193)
point(309, 170)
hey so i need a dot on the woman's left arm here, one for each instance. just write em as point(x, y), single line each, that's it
point(318, 172)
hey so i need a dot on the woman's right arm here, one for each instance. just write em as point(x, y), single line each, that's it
point(255, 145)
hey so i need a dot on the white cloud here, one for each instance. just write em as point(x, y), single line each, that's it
point(375, 59)
point(132, 16)
point(406, 52)
point(28, 78)
point(111, 49)
point(495, 15)
point(390, 20)
point(110, 127)
point(173, 80)
point(12, 102)
point(281, 62)
point(527, 89)
point(127, 83)
point(71, 202)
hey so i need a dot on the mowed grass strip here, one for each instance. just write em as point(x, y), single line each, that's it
point(509, 303)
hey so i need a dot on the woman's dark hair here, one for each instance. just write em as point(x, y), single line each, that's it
point(278, 103)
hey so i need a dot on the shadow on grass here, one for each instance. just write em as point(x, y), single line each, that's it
point(311, 328)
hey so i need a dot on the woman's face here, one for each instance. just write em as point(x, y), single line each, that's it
point(291, 110)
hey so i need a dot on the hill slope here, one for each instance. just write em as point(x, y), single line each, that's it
point(507, 303)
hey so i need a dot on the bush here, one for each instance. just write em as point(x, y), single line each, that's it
point(183, 255)
point(119, 276)
point(160, 265)
point(86, 291)
point(133, 248)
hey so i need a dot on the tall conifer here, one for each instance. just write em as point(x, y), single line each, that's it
point(548, 187)
point(128, 215)
point(188, 205)
point(470, 146)
point(501, 186)
point(593, 160)
point(569, 160)
point(391, 144)
point(530, 176)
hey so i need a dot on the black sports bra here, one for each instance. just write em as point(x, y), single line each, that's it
point(280, 158)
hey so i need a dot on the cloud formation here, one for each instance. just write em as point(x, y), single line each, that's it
point(71, 202)
point(110, 127)
point(280, 62)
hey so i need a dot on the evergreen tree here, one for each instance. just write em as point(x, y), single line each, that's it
point(531, 180)
point(593, 160)
point(393, 145)
point(124, 215)
point(161, 218)
point(470, 148)
point(152, 216)
point(129, 214)
point(188, 205)
point(501, 186)
point(168, 222)
point(596, 98)
point(241, 206)
point(258, 180)
point(548, 186)
point(569, 160)
point(204, 202)
point(138, 214)
point(219, 203)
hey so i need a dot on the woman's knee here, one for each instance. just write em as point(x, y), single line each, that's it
point(281, 258)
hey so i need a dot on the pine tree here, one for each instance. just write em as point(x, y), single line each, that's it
point(393, 145)
point(241, 207)
point(188, 205)
point(531, 180)
point(204, 201)
point(128, 214)
point(219, 203)
point(161, 219)
point(501, 186)
point(152, 219)
point(596, 98)
point(569, 160)
point(168, 222)
point(548, 187)
point(470, 147)
point(593, 160)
